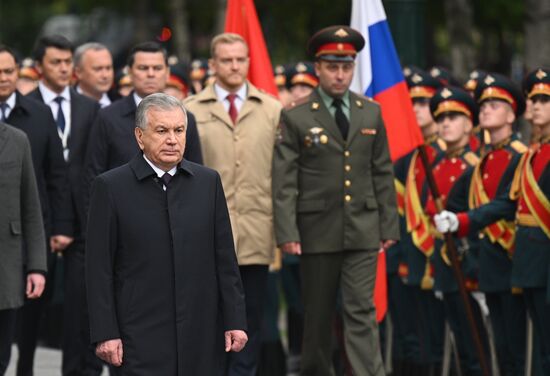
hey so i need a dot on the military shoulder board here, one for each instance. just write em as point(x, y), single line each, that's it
point(518, 146)
point(471, 158)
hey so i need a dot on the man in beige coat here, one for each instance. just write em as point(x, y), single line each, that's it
point(237, 126)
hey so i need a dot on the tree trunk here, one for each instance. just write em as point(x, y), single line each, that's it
point(458, 14)
point(537, 29)
point(220, 16)
point(180, 29)
point(141, 12)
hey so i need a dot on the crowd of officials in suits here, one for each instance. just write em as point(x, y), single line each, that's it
point(487, 143)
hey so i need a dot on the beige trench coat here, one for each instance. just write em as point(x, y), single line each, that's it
point(242, 154)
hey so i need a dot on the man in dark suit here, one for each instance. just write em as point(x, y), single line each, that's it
point(74, 115)
point(35, 119)
point(162, 277)
point(112, 141)
point(21, 235)
point(334, 204)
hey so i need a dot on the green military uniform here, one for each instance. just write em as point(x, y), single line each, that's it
point(333, 192)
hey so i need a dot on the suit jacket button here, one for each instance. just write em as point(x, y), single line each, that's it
point(347, 198)
point(347, 183)
point(347, 168)
point(347, 153)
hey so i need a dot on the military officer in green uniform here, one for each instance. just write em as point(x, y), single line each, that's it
point(335, 204)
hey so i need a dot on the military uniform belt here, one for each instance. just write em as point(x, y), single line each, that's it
point(526, 220)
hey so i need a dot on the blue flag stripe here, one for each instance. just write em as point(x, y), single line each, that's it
point(386, 69)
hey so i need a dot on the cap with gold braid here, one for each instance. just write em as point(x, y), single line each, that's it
point(279, 74)
point(475, 77)
point(336, 43)
point(28, 70)
point(537, 83)
point(451, 99)
point(443, 75)
point(498, 87)
point(302, 73)
point(422, 85)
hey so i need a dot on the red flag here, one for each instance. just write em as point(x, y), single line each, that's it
point(381, 287)
point(242, 19)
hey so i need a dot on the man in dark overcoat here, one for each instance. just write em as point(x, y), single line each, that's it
point(22, 240)
point(163, 283)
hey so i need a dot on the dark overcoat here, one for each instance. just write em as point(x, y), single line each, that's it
point(35, 119)
point(22, 242)
point(161, 269)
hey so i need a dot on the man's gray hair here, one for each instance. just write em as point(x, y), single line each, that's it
point(157, 101)
point(81, 50)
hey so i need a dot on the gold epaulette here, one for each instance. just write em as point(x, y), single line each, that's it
point(297, 102)
point(367, 98)
point(471, 158)
point(518, 146)
point(442, 144)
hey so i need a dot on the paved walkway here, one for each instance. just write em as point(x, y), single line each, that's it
point(47, 363)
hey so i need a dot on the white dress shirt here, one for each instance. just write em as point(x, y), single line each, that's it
point(11, 104)
point(104, 101)
point(159, 171)
point(49, 98)
point(222, 94)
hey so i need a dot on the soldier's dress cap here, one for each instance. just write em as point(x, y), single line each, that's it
point(336, 43)
point(302, 73)
point(443, 75)
point(537, 82)
point(280, 74)
point(474, 78)
point(28, 70)
point(178, 77)
point(199, 69)
point(408, 70)
point(497, 86)
point(452, 99)
point(422, 85)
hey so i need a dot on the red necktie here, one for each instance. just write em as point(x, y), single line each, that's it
point(233, 113)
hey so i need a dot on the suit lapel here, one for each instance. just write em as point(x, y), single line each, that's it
point(324, 118)
point(215, 106)
point(75, 120)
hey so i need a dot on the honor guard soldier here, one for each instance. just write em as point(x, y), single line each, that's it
point(280, 76)
point(475, 77)
point(501, 103)
point(334, 204)
point(455, 112)
point(302, 80)
point(419, 337)
point(528, 200)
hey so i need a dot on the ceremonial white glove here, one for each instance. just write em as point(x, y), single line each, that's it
point(479, 297)
point(446, 221)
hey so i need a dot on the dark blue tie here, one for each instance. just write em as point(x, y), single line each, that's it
point(166, 179)
point(60, 119)
point(3, 108)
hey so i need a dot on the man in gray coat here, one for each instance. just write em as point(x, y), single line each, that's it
point(22, 240)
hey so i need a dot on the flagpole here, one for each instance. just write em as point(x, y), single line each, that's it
point(455, 264)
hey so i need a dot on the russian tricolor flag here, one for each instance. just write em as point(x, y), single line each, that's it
point(378, 75)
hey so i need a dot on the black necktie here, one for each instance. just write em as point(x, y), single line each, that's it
point(3, 108)
point(60, 119)
point(341, 119)
point(166, 179)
